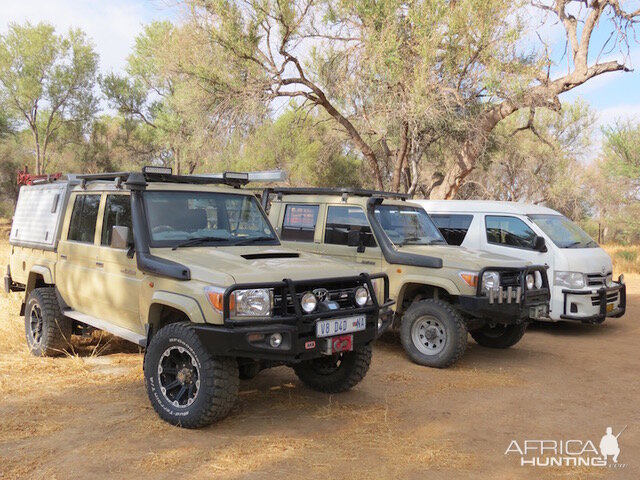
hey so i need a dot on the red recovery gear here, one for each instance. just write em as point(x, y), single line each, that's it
point(25, 178)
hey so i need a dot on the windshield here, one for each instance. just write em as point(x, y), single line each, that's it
point(563, 232)
point(180, 218)
point(406, 225)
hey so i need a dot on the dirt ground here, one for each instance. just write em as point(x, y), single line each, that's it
point(88, 414)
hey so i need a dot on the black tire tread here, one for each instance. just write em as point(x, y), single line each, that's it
point(222, 392)
point(56, 331)
point(460, 333)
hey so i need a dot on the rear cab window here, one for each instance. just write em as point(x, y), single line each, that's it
point(453, 227)
point(82, 226)
point(299, 224)
point(509, 232)
point(343, 219)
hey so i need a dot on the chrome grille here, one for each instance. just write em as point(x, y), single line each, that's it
point(597, 279)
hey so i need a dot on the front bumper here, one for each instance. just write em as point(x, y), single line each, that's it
point(512, 304)
point(249, 338)
point(603, 300)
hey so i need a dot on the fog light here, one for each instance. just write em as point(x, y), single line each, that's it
point(275, 340)
point(308, 302)
point(530, 281)
point(361, 296)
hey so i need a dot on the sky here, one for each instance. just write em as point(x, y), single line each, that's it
point(114, 24)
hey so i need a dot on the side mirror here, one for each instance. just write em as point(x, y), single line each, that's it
point(539, 244)
point(120, 238)
point(353, 238)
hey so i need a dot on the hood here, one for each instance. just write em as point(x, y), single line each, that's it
point(584, 260)
point(249, 264)
point(464, 258)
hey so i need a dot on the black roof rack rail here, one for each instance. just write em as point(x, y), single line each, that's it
point(339, 191)
point(161, 177)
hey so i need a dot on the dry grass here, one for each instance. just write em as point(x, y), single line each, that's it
point(626, 258)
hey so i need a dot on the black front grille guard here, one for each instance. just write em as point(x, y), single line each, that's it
point(536, 295)
point(291, 289)
point(602, 292)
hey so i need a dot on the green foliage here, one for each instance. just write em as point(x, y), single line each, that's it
point(621, 150)
point(46, 82)
point(304, 146)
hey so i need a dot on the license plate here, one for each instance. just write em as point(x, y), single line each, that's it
point(343, 343)
point(338, 326)
point(609, 307)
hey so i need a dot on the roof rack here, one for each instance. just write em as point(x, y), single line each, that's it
point(344, 191)
point(162, 174)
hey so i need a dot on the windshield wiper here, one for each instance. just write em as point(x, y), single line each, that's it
point(198, 240)
point(248, 240)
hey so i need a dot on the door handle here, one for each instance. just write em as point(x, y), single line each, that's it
point(99, 264)
point(63, 257)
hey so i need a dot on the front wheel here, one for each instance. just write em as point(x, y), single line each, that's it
point(433, 333)
point(500, 335)
point(188, 386)
point(335, 373)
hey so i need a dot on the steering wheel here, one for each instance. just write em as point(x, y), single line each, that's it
point(162, 228)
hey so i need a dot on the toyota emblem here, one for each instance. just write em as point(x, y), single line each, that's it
point(322, 294)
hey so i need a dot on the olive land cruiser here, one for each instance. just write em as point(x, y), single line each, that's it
point(190, 268)
point(441, 291)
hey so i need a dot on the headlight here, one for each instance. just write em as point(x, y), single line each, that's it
point(569, 279)
point(490, 281)
point(538, 279)
point(308, 302)
point(253, 303)
point(608, 281)
point(242, 303)
point(361, 296)
point(530, 281)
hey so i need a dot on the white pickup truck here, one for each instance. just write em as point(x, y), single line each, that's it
point(580, 272)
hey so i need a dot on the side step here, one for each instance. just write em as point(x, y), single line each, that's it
point(107, 327)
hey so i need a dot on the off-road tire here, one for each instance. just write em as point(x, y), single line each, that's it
point(451, 326)
point(218, 376)
point(51, 336)
point(319, 375)
point(506, 337)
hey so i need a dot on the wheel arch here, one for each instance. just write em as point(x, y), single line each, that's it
point(415, 290)
point(39, 276)
point(168, 307)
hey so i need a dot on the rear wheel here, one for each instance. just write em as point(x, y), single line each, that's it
point(47, 331)
point(500, 335)
point(186, 385)
point(335, 373)
point(433, 333)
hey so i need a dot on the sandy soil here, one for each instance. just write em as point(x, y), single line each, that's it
point(88, 414)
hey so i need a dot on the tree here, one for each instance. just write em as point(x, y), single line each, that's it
point(302, 145)
point(537, 159)
point(404, 80)
point(47, 81)
point(621, 154)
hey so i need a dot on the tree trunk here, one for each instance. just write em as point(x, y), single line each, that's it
point(176, 161)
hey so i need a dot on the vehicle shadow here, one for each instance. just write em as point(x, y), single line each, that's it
point(575, 329)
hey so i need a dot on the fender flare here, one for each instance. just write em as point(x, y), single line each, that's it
point(443, 283)
point(186, 304)
point(44, 271)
